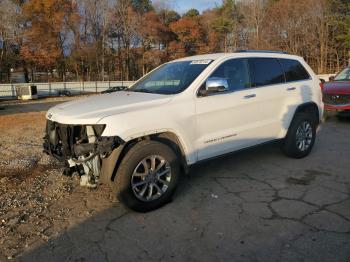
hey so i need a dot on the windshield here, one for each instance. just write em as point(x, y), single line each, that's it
point(343, 75)
point(171, 78)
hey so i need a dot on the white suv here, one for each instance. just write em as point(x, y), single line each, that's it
point(181, 113)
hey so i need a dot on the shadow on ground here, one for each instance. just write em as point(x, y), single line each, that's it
point(245, 207)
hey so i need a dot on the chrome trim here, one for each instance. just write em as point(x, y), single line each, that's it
point(216, 84)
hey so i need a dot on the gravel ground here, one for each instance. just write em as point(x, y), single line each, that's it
point(34, 196)
point(252, 206)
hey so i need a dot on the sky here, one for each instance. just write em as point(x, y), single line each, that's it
point(183, 5)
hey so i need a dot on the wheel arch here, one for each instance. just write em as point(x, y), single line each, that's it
point(110, 165)
point(309, 107)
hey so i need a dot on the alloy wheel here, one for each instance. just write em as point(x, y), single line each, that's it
point(304, 136)
point(151, 178)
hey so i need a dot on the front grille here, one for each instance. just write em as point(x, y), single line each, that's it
point(337, 100)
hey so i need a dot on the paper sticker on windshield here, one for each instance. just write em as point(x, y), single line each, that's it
point(201, 62)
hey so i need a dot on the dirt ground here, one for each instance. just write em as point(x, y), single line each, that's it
point(256, 205)
point(35, 199)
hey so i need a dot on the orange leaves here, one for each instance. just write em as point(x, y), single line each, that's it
point(151, 27)
point(49, 22)
point(188, 29)
point(130, 37)
point(190, 36)
point(44, 56)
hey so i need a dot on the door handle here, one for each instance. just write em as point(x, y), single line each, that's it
point(250, 96)
point(291, 88)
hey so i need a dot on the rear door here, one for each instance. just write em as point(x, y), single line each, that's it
point(268, 81)
point(298, 89)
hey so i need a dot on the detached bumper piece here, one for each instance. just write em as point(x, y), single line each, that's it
point(81, 147)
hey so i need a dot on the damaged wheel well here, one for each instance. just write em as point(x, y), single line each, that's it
point(110, 166)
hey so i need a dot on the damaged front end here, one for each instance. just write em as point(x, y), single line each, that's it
point(82, 147)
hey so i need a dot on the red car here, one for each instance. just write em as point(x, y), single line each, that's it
point(336, 92)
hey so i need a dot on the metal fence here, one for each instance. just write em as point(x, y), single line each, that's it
point(8, 91)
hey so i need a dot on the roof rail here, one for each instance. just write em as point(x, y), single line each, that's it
point(260, 51)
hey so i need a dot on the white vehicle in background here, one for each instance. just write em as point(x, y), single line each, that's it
point(184, 112)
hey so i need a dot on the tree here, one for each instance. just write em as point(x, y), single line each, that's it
point(168, 16)
point(340, 30)
point(254, 15)
point(142, 6)
point(47, 38)
point(127, 38)
point(191, 13)
point(125, 29)
point(152, 33)
point(96, 23)
point(226, 24)
point(10, 37)
point(190, 36)
point(289, 25)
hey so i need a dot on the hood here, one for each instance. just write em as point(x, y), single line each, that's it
point(90, 110)
point(337, 87)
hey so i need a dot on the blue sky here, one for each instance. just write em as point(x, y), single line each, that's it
point(184, 5)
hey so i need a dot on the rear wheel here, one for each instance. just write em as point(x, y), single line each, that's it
point(148, 176)
point(301, 136)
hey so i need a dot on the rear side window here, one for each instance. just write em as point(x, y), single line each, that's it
point(294, 71)
point(265, 71)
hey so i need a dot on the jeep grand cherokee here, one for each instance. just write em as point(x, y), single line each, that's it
point(184, 112)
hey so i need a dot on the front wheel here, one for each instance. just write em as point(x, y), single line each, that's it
point(147, 176)
point(301, 136)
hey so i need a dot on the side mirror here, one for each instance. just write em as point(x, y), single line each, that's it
point(216, 85)
point(331, 78)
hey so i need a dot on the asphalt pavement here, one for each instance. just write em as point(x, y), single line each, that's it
point(256, 205)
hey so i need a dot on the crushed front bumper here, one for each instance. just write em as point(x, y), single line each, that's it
point(66, 142)
point(81, 147)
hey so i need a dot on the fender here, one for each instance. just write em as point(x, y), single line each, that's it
point(111, 164)
point(308, 107)
point(305, 107)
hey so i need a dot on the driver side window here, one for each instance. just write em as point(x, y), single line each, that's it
point(236, 72)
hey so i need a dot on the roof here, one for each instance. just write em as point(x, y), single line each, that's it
point(204, 57)
point(241, 53)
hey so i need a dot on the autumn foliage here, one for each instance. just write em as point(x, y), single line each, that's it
point(48, 24)
point(124, 39)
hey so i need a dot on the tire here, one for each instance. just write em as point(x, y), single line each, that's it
point(303, 125)
point(132, 181)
